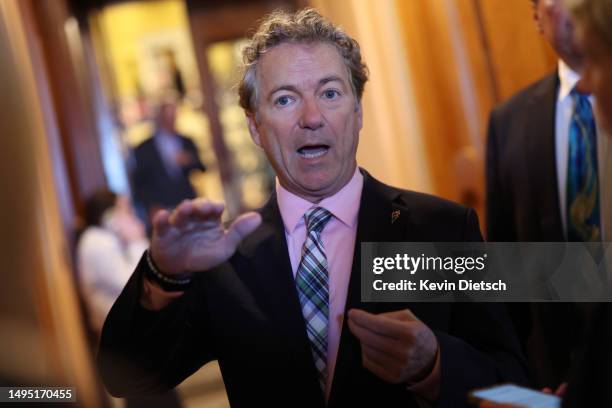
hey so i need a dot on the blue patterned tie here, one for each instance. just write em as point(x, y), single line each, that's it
point(311, 281)
point(583, 217)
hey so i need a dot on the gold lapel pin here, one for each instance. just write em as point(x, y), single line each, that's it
point(395, 215)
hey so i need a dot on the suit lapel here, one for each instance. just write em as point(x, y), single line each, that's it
point(539, 133)
point(375, 224)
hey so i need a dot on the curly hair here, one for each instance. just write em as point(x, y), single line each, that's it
point(303, 26)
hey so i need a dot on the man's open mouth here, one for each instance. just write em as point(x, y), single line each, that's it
point(314, 151)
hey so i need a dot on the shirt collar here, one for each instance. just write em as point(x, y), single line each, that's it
point(344, 205)
point(567, 80)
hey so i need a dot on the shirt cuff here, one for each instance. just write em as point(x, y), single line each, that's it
point(429, 387)
point(154, 297)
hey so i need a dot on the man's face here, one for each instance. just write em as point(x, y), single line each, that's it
point(597, 76)
point(167, 117)
point(308, 119)
point(555, 24)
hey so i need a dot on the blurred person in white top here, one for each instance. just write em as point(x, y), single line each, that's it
point(108, 250)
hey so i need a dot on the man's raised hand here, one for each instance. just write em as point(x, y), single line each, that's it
point(192, 238)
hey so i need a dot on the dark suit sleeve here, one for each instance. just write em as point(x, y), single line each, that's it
point(143, 352)
point(481, 347)
point(499, 221)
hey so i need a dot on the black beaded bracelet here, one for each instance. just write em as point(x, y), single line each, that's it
point(167, 283)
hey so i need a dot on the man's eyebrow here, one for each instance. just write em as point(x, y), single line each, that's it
point(283, 88)
point(330, 78)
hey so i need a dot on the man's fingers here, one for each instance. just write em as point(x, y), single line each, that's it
point(179, 216)
point(241, 227)
point(404, 315)
point(375, 340)
point(205, 207)
point(382, 324)
point(195, 212)
point(161, 223)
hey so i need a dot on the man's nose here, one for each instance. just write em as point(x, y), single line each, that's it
point(310, 116)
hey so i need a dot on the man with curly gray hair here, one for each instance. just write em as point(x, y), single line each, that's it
point(305, 26)
point(275, 296)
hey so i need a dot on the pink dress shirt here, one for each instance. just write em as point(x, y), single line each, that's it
point(339, 241)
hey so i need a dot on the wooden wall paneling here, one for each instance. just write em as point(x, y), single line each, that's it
point(429, 31)
point(60, 169)
point(519, 55)
point(72, 99)
point(39, 278)
point(228, 21)
point(481, 86)
point(478, 94)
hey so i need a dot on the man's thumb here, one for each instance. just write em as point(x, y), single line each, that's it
point(241, 227)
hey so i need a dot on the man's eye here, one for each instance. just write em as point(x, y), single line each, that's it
point(331, 94)
point(283, 100)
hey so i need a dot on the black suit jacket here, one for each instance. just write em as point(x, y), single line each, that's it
point(153, 185)
point(523, 205)
point(246, 314)
point(522, 188)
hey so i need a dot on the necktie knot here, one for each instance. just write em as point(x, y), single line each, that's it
point(316, 218)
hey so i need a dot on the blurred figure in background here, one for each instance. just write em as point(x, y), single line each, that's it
point(592, 378)
point(589, 384)
point(107, 252)
point(163, 164)
point(543, 184)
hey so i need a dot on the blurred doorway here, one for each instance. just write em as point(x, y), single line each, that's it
point(143, 49)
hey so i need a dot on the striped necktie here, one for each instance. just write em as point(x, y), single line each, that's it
point(583, 216)
point(311, 281)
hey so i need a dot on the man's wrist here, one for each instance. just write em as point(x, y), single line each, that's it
point(154, 298)
point(178, 283)
point(429, 386)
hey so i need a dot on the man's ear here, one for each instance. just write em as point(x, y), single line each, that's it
point(252, 123)
point(359, 115)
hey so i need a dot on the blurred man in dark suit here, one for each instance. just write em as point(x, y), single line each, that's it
point(591, 380)
point(275, 297)
point(543, 164)
point(163, 164)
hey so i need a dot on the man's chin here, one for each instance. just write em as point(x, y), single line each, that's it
point(317, 189)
